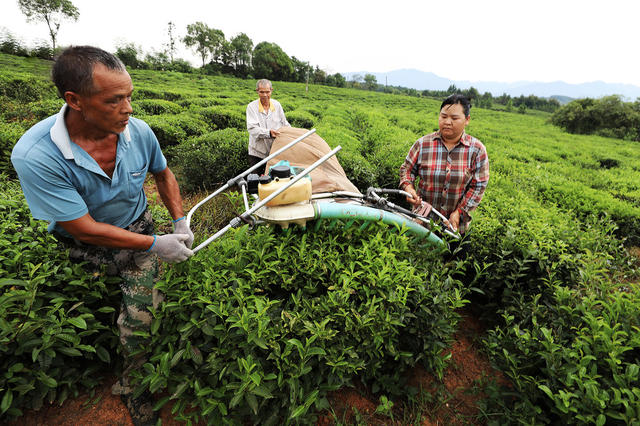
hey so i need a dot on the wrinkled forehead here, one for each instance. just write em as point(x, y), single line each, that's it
point(105, 79)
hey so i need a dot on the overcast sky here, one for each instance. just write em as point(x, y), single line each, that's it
point(575, 41)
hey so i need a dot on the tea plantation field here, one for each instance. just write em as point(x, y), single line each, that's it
point(260, 325)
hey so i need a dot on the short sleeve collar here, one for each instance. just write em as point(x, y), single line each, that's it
point(60, 134)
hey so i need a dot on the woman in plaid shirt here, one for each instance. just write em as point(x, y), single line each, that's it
point(452, 166)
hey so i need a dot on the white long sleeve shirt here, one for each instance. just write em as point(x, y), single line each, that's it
point(259, 123)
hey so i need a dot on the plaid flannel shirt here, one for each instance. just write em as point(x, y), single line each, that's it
point(449, 180)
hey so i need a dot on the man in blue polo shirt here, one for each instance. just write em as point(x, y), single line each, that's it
point(83, 170)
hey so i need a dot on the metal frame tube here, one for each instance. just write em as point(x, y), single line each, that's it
point(245, 173)
point(238, 221)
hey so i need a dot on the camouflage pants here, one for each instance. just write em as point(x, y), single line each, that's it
point(138, 270)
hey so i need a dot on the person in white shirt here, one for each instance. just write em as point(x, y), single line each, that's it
point(264, 118)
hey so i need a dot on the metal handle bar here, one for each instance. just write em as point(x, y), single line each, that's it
point(373, 196)
point(238, 179)
point(237, 221)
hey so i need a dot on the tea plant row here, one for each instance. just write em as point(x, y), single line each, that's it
point(265, 323)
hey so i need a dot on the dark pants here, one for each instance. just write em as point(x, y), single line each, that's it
point(253, 160)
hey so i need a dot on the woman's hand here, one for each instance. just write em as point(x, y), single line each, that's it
point(454, 220)
point(415, 199)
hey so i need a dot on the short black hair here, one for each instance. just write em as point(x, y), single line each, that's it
point(73, 69)
point(458, 99)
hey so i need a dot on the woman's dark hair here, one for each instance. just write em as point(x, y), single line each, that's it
point(458, 99)
point(73, 69)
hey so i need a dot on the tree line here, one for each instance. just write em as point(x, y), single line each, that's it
point(239, 57)
point(236, 56)
point(609, 116)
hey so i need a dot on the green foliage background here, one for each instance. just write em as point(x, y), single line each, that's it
point(548, 264)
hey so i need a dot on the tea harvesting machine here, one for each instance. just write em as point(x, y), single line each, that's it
point(284, 196)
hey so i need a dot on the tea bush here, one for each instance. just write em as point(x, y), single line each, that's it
point(156, 107)
point(223, 117)
point(30, 113)
point(10, 133)
point(558, 317)
point(573, 358)
point(257, 326)
point(147, 93)
point(174, 129)
point(209, 161)
point(56, 320)
point(524, 247)
point(300, 119)
point(24, 87)
point(545, 254)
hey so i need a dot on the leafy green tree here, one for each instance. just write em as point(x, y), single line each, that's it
point(204, 40)
point(336, 80)
point(486, 100)
point(370, 81)
point(471, 93)
point(270, 61)
point(301, 70)
point(128, 53)
point(608, 116)
point(319, 76)
point(11, 45)
point(217, 46)
point(509, 106)
point(241, 47)
point(503, 99)
point(50, 11)
point(158, 61)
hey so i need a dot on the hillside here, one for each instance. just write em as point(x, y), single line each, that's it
point(267, 325)
point(422, 80)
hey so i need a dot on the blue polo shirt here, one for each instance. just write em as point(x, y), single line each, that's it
point(62, 182)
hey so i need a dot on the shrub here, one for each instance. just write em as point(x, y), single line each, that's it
point(314, 110)
point(12, 46)
point(171, 96)
point(211, 160)
point(359, 171)
point(300, 119)
point(608, 116)
point(42, 51)
point(55, 319)
point(156, 107)
point(255, 327)
point(563, 332)
point(573, 359)
point(221, 117)
point(180, 65)
point(24, 87)
point(10, 133)
point(147, 94)
point(30, 113)
point(173, 129)
point(197, 103)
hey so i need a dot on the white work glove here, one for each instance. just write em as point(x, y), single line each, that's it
point(180, 227)
point(171, 247)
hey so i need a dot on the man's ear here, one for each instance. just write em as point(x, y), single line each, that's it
point(73, 100)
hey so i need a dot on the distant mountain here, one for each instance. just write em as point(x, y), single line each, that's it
point(422, 80)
